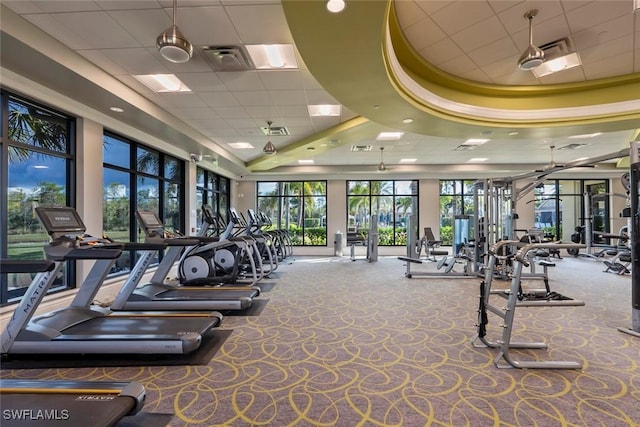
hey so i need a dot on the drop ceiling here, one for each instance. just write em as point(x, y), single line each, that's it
point(90, 50)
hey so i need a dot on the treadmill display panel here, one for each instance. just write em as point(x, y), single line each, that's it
point(149, 219)
point(60, 220)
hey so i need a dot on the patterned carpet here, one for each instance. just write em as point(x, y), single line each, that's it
point(344, 343)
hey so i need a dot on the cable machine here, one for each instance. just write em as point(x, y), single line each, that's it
point(635, 239)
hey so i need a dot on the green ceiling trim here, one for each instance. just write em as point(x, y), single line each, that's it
point(310, 146)
point(569, 95)
point(345, 52)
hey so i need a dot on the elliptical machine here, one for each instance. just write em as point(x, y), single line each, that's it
point(220, 259)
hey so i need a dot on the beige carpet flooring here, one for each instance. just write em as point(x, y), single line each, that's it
point(344, 343)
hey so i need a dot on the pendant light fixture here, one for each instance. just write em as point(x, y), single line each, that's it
point(533, 56)
point(381, 166)
point(269, 149)
point(173, 46)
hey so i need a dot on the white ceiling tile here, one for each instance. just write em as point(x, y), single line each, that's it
point(180, 100)
point(596, 12)
point(496, 51)
point(423, 33)
point(609, 30)
point(460, 65)
point(602, 69)
point(293, 110)
point(196, 113)
point(58, 6)
point(219, 99)
point(458, 15)
point(500, 5)
point(243, 123)
point(480, 34)
point(253, 98)
point(85, 30)
point(143, 25)
point(129, 4)
point(431, 6)
point(289, 97)
point(545, 32)
point(99, 58)
point(261, 112)
point(281, 79)
point(513, 18)
point(250, 22)
point(131, 61)
point(298, 122)
point(244, 80)
point(211, 123)
point(202, 82)
point(205, 26)
point(231, 112)
point(441, 51)
point(568, 5)
point(477, 75)
point(410, 14)
point(606, 50)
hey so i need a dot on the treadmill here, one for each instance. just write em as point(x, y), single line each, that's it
point(159, 295)
point(68, 403)
point(81, 327)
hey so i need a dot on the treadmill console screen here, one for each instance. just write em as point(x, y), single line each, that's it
point(149, 220)
point(60, 220)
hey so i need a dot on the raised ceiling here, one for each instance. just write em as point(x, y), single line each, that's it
point(465, 52)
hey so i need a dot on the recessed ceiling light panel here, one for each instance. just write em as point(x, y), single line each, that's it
point(324, 110)
point(162, 83)
point(389, 136)
point(240, 145)
point(273, 56)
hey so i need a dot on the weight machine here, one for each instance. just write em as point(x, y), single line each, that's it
point(517, 296)
point(634, 185)
point(445, 265)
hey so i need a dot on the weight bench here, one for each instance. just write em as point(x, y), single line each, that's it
point(430, 245)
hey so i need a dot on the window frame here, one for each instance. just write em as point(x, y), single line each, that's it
point(67, 154)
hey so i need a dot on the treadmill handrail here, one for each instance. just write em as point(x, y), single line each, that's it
point(14, 266)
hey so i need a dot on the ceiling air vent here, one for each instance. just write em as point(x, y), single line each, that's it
point(361, 147)
point(275, 131)
point(464, 147)
point(557, 48)
point(228, 58)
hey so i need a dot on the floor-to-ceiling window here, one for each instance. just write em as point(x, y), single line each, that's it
point(137, 177)
point(213, 190)
point(37, 158)
point(300, 207)
point(392, 201)
point(564, 207)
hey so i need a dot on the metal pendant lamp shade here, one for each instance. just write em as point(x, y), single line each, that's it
point(269, 149)
point(173, 45)
point(533, 56)
point(381, 166)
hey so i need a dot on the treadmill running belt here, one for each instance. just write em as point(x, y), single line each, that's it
point(211, 342)
point(35, 409)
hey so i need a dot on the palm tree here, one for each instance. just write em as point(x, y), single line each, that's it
point(34, 126)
